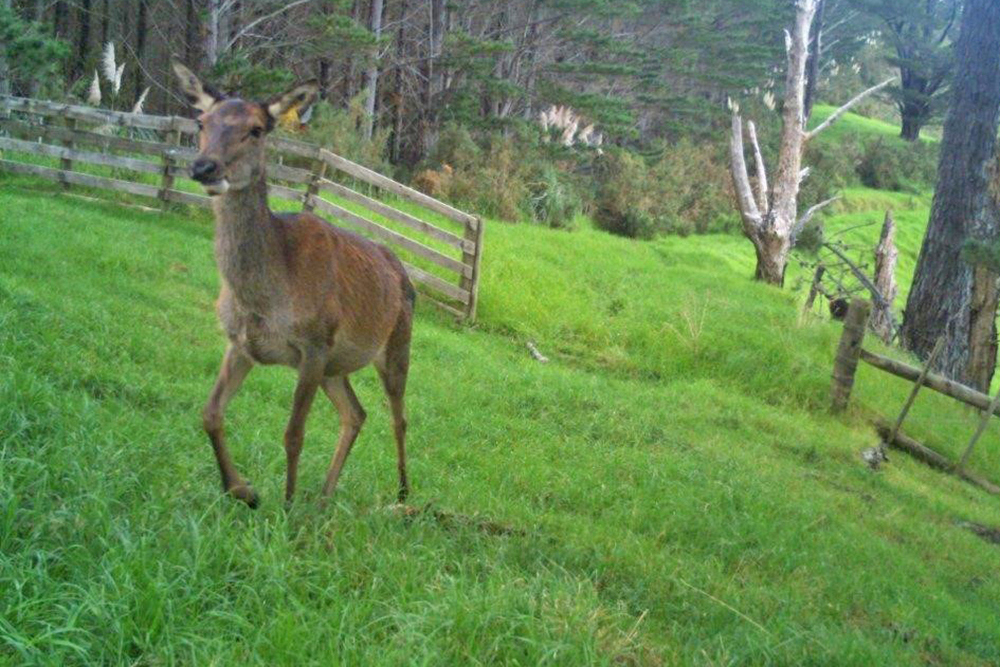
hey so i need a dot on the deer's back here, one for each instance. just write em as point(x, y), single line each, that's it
point(354, 290)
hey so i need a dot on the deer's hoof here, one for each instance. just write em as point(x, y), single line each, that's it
point(246, 493)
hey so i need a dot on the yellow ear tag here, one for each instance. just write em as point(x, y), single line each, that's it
point(290, 119)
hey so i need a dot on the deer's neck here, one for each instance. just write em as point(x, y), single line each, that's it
point(248, 245)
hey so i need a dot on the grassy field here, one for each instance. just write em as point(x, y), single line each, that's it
point(678, 491)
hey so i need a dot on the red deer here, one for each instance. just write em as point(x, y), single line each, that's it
point(295, 290)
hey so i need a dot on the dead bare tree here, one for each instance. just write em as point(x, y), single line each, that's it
point(770, 217)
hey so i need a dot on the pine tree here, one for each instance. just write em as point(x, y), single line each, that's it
point(919, 32)
point(950, 295)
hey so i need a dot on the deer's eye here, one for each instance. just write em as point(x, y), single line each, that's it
point(201, 126)
point(256, 132)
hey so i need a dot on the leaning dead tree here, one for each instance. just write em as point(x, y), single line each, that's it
point(770, 215)
point(882, 322)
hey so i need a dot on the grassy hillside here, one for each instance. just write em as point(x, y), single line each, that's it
point(680, 492)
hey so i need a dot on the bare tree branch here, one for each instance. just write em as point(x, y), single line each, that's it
point(808, 215)
point(267, 17)
point(860, 275)
point(835, 116)
point(741, 181)
point(762, 190)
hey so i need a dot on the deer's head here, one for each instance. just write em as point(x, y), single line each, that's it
point(232, 131)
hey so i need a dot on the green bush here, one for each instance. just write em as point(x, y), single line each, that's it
point(686, 191)
point(624, 203)
point(832, 167)
point(882, 163)
point(455, 147)
point(509, 178)
point(552, 199)
point(896, 166)
point(694, 191)
point(337, 130)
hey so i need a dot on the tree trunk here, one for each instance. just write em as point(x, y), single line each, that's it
point(911, 125)
point(395, 149)
point(949, 296)
point(190, 32)
point(772, 258)
point(4, 68)
point(982, 329)
point(349, 90)
point(812, 64)
point(436, 73)
point(433, 75)
point(141, 26)
point(212, 34)
point(83, 39)
point(60, 19)
point(105, 22)
point(371, 74)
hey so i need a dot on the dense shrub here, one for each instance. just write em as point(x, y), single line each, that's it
point(897, 166)
point(336, 129)
point(552, 198)
point(508, 178)
point(625, 197)
point(884, 163)
point(831, 169)
point(682, 188)
point(696, 190)
point(686, 190)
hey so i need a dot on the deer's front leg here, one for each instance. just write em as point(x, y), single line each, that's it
point(235, 366)
point(310, 376)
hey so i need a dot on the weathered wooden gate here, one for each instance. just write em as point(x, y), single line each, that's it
point(148, 156)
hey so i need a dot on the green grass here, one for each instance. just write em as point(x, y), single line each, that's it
point(852, 124)
point(684, 496)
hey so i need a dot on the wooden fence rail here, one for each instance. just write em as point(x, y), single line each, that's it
point(850, 351)
point(161, 147)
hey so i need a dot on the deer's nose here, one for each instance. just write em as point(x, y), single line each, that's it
point(205, 170)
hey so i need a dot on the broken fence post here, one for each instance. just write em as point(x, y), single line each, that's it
point(883, 323)
point(815, 287)
point(848, 352)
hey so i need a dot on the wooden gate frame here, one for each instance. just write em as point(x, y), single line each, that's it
point(63, 130)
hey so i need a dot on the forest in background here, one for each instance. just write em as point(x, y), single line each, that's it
point(519, 109)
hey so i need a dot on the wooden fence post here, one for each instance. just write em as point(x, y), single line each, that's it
point(173, 138)
point(312, 190)
point(474, 233)
point(848, 352)
point(66, 164)
point(815, 287)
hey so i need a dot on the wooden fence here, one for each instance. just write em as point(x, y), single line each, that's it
point(850, 351)
point(162, 147)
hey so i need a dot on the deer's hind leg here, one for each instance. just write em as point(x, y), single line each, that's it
point(235, 366)
point(393, 367)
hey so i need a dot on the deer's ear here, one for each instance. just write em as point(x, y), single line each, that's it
point(298, 100)
point(200, 96)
